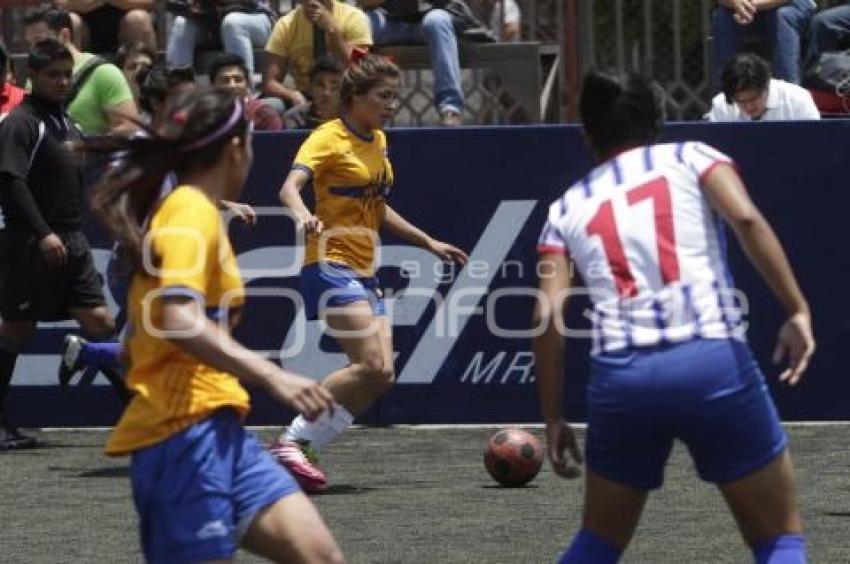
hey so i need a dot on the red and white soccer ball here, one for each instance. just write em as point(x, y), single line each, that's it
point(513, 457)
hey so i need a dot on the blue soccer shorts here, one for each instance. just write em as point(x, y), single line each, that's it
point(710, 394)
point(198, 491)
point(330, 284)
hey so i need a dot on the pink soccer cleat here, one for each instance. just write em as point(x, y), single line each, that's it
point(293, 457)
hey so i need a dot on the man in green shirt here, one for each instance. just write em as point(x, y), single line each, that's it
point(103, 103)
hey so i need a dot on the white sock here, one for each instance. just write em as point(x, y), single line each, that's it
point(321, 431)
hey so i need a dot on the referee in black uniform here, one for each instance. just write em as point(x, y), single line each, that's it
point(48, 273)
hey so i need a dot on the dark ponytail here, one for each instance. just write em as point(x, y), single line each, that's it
point(619, 111)
point(198, 126)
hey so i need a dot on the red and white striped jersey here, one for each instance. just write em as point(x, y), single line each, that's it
point(650, 248)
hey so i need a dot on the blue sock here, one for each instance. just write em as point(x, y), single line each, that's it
point(106, 354)
point(589, 548)
point(784, 549)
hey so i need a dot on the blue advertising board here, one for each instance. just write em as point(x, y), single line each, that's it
point(462, 351)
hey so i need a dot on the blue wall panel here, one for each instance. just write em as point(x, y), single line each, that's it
point(487, 191)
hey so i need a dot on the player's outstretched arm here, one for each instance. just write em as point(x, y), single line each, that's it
point(290, 197)
point(397, 225)
point(728, 195)
point(187, 327)
point(549, 309)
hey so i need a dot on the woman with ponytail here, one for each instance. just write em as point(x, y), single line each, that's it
point(669, 358)
point(159, 87)
point(346, 160)
point(202, 485)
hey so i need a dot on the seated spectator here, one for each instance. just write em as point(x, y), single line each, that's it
point(396, 22)
point(241, 25)
point(101, 100)
point(10, 96)
point(158, 84)
point(750, 94)
point(828, 31)
point(313, 29)
point(133, 58)
point(229, 71)
point(506, 27)
point(325, 80)
point(106, 24)
point(781, 22)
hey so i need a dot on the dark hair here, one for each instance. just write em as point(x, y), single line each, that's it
point(4, 60)
point(45, 52)
point(362, 76)
point(746, 71)
point(157, 82)
point(325, 64)
point(198, 128)
point(56, 19)
point(127, 50)
point(619, 110)
point(228, 60)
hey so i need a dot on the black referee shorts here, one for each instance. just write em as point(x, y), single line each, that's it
point(30, 291)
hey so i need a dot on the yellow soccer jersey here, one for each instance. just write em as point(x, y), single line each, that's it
point(192, 256)
point(351, 176)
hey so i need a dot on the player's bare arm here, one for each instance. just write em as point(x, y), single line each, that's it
point(548, 347)
point(290, 197)
point(189, 329)
point(729, 197)
point(397, 225)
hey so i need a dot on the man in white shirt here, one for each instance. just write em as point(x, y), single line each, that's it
point(748, 93)
point(505, 26)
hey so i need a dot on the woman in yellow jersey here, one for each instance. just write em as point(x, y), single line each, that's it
point(201, 484)
point(346, 159)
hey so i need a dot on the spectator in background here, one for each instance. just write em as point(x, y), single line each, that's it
point(828, 31)
point(505, 26)
point(48, 272)
point(314, 29)
point(132, 59)
point(781, 22)
point(242, 25)
point(398, 22)
point(106, 24)
point(750, 94)
point(10, 96)
point(230, 72)
point(325, 81)
point(101, 100)
point(158, 84)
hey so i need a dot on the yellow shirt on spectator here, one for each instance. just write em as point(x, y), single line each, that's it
point(191, 256)
point(292, 38)
point(352, 177)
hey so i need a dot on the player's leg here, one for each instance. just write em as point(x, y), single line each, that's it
point(273, 517)
point(627, 446)
point(737, 441)
point(291, 530)
point(99, 324)
point(354, 388)
point(367, 341)
point(764, 504)
point(14, 335)
point(611, 514)
point(87, 304)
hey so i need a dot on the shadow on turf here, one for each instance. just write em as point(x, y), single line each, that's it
point(109, 472)
point(344, 489)
point(500, 487)
point(837, 513)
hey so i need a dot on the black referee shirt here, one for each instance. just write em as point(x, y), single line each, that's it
point(32, 149)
